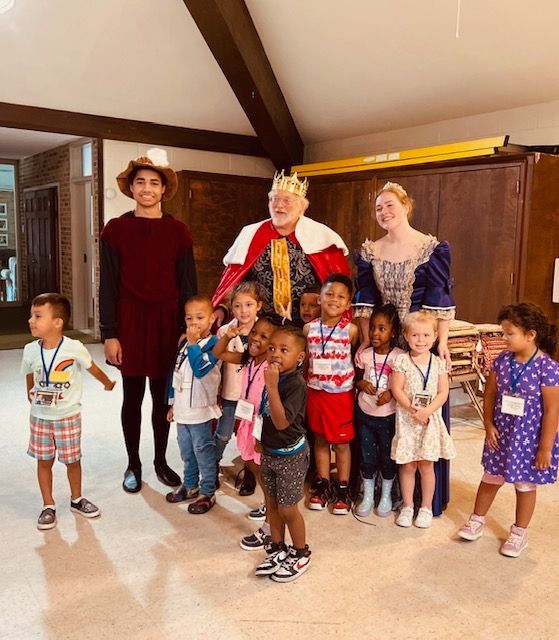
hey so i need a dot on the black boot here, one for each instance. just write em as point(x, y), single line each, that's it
point(166, 475)
point(248, 485)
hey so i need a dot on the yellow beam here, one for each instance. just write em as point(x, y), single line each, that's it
point(471, 148)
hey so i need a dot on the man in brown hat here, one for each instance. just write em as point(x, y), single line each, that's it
point(147, 273)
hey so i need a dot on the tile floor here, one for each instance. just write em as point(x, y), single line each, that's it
point(147, 569)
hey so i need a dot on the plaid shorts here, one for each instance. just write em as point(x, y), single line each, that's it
point(62, 435)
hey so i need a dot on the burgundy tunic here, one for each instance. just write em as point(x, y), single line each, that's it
point(147, 273)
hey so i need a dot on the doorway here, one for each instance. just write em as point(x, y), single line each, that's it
point(41, 233)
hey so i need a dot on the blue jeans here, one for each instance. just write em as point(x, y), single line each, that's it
point(225, 427)
point(375, 436)
point(197, 449)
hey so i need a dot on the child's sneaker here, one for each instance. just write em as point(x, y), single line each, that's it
point(321, 495)
point(473, 529)
point(85, 508)
point(277, 553)
point(424, 518)
point(47, 519)
point(516, 542)
point(257, 540)
point(182, 493)
point(259, 513)
point(202, 505)
point(405, 518)
point(296, 563)
point(342, 501)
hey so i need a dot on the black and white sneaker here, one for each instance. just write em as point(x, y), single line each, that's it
point(257, 540)
point(277, 553)
point(259, 513)
point(295, 564)
point(85, 508)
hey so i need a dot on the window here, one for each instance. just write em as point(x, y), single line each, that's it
point(8, 235)
point(87, 165)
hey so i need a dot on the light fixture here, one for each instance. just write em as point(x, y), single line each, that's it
point(6, 5)
point(110, 193)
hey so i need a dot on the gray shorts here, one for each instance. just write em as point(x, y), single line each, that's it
point(284, 476)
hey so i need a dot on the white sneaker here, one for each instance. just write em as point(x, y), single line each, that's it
point(424, 518)
point(405, 518)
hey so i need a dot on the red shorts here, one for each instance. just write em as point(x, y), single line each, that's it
point(331, 415)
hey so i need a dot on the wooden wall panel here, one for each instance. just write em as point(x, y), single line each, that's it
point(424, 189)
point(542, 236)
point(479, 217)
point(345, 207)
point(215, 207)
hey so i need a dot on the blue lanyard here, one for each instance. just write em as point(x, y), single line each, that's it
point(516, 378)
point(379, 376)
point(325, 342)
point(249, 379)
point(426, 376)
point(47, 371)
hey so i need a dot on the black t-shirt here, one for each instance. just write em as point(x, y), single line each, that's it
point(293, 393)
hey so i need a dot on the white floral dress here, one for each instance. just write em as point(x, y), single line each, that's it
point(414, 441)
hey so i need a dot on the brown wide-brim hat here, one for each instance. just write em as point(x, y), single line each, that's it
point(171, 182)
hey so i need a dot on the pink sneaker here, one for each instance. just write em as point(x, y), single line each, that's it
point(516, 543)
point(473, 529)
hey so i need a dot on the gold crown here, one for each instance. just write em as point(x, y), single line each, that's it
point(290, 183)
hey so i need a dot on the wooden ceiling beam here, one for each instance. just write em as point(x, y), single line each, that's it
point(18, 116)
point(231, 36)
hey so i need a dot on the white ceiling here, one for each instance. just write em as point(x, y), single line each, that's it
point(20, 143)
point(346, 68)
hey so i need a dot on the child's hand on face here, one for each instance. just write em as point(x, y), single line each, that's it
point(192, 335)
point(366, 387)
point(170, 415)
point(384, 397)
point(271, 375)
point(110, 386)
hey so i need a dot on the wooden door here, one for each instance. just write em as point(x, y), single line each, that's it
point(215, 208)
point(478, 215)
point(41, 225)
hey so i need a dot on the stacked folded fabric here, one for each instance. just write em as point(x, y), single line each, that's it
point(463, 338)
point(492, 343)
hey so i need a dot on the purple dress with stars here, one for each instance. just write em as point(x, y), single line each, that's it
point(519, 436)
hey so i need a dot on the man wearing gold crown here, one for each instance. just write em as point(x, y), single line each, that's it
point(287, 253)
point(147, 273)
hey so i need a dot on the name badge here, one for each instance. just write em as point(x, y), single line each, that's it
point(322, 366)
point(257, 428)
point(421, 400)
point(244, 410)
point(46, 398)
point(513, 405)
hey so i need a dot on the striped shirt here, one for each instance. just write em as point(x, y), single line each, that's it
point(333, 346)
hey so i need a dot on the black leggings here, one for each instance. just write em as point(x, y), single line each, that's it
point(131, 415)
